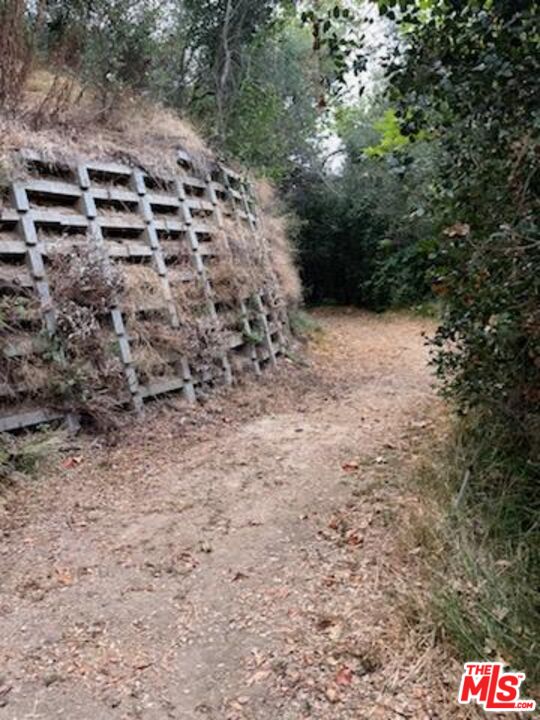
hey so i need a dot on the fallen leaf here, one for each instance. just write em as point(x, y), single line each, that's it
point(73, 461)
point(344, 676)
point(458, 229)
point(324, 623)
point(354, 539)
point(64, 576)
point(258, 677)
point(335, 632)
point(143, 665)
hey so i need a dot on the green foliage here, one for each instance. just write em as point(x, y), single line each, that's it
point(274, 118)
point(368, 236)
point(392, 139)
point(470, 78)
point(27, 454)
point(111, 45)
point(255, 337)
point(487, 348)
point(335, 44)
point(16, 50)
point(304, 326)
point(244, 70)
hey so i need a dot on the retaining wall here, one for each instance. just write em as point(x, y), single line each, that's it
point(178, 230)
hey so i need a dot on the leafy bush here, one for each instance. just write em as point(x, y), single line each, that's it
point(367, 236)
point(470, 78)
point(488, 346)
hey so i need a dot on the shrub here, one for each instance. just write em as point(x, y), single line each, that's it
point(488, 345)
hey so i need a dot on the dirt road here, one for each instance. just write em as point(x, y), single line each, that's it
point(219, 567)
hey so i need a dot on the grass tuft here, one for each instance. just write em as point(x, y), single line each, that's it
point(304, 326)
point(27, 455)
point(481, 554)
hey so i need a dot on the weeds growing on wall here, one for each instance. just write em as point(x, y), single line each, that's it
point(86, 374)
point(19, 310)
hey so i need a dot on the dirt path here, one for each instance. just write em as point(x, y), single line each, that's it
point(219, 568)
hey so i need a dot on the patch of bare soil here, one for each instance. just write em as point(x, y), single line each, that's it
point(241, 562)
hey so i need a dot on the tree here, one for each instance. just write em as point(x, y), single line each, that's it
point(222, 32)
point(469, 77)
point(368, 234)
point(273, 122)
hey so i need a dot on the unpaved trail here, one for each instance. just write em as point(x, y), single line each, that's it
point(227, 568)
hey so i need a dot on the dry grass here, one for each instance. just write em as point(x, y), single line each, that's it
point(142, 287)
point(479, 553)
point(85, 374)
point(63, 120)
point(24, 376)
point(227, 280)
point(85, 277)
point(245, 270)
point(158, 348)
point(152, 349)
point(189, 297)
point(276, 226)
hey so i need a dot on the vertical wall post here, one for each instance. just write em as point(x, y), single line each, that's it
point(259, 306)
point(256, 227)
point(201, 270)
point(36, 266)
point(34, 259)
point(151, 235)
point(88, 206)
point(218, 215)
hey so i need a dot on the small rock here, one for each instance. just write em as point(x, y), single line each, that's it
point(332, 694)
point(51, 678)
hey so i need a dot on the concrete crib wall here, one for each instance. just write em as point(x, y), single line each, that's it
point(181, 232)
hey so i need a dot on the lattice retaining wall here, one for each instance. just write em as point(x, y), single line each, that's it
point(178, 230)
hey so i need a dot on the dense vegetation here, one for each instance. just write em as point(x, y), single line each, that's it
point(411, 168)
point(468, 79)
